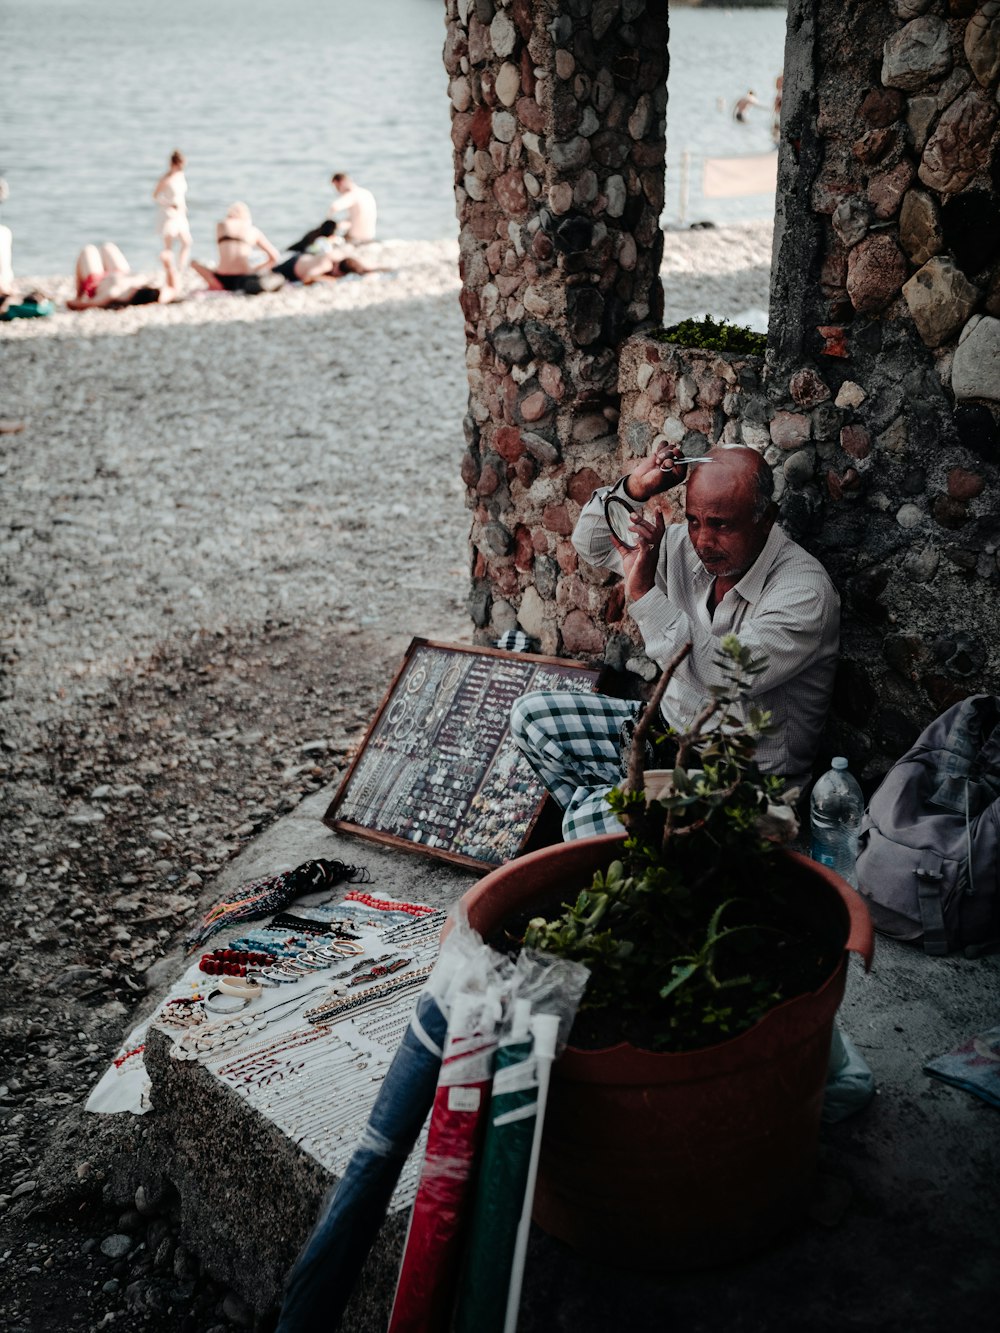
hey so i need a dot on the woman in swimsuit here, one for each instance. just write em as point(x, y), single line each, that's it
point(105, 280)
point(319, 268)
point(171, 195)
point(238, 238)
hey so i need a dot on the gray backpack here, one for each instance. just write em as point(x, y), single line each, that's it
point(929, 848)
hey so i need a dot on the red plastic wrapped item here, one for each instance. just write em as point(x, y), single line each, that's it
point(429, 1271)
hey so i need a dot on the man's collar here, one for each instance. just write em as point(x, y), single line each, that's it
point(751, 585)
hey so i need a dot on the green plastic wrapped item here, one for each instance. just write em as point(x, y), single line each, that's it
point(503, 1175)
point(544, 995)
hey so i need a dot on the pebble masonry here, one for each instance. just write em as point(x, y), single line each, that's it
point(878, 400)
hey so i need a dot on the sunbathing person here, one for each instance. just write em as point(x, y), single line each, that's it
point(320, 268)
point(105, 280)
point(238, 238)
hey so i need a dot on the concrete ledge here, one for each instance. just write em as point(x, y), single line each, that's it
point(248, 1194)
point(915, 1175)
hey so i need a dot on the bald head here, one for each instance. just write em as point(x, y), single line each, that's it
point(730, 512)
point(735, 467)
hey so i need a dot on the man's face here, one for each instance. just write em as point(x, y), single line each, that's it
point(721, 525)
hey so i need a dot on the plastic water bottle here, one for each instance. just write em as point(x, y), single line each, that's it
point(835, 812)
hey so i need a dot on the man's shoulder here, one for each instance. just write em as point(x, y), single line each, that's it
point(794, 561)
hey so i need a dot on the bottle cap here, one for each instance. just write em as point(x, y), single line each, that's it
point(840, 762)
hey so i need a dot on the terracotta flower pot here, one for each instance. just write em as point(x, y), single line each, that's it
point(686, 1160)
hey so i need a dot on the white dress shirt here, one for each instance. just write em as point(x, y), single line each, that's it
point(784, 607)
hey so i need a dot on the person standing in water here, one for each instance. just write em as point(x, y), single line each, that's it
point(171, 195)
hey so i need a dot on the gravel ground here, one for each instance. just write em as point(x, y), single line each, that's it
point(217, 537)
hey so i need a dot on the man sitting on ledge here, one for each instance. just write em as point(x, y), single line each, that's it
point(728, 570)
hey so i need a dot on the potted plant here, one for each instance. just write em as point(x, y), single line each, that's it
point(683, 1118)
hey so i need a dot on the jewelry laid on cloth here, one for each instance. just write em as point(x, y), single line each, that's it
point(424, 928)
point(332, 1050)
point(342, 1093)
point(270, 976)
point(120, 1061)
point(265, 1062)
point(282, 946)
point(379, 970)
point(230, 1032)
point(386, 1030)
point(249, 989)
point(264, 897)
point(308, 925)
point(219, 1001)
point(337, 1006)
point(233, 962)
point(386, 904)
point(184, 1011)
point(309, 960)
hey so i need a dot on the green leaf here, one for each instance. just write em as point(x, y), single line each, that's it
point(680, 975)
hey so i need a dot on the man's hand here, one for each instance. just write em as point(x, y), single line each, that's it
point(665, 467)
point(640, 561)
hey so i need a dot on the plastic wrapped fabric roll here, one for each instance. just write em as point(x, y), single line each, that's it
point(321, 1282)
point(431, 1259)
point(500, 1188)
point(322, 1278)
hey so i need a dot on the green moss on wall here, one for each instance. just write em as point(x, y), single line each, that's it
point(715, 335)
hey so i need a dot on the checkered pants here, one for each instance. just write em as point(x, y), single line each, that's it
point(572, 742)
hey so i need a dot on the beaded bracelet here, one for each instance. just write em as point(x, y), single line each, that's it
point(261, 944)
point(386, 904)
point(233, 962)
point(426, 927)
point(282, 944)
point(307, 925)
point(128, 1055)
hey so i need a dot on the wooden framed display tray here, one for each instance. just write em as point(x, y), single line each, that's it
point(437, 771)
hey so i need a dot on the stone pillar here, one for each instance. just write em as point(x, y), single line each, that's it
point(884, 354)
point(558, 125)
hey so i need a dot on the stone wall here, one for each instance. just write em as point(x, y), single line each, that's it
point(879, 402)
point(886, 291)
point(558, 121)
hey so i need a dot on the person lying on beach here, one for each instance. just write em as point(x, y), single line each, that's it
point(238, 238)
point(105, 280)
point(320, 268)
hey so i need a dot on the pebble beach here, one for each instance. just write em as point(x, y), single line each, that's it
point(292, 454)
point(221, 522)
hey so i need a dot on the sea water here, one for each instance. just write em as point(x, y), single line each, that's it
point(267, 100)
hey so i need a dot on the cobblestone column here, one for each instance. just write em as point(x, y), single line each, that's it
point(882, 412)
point(558, 125)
